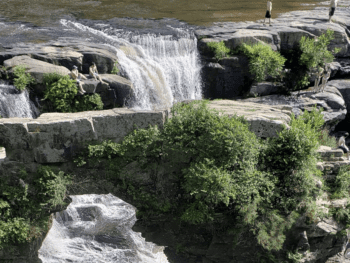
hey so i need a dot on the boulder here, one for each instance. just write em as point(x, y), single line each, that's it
point(36, 68)
point(265, 88)
point(123, 88)
point(103, 55)
point(229, 78)
point(331, 101)
point(57, 55)
point(265, 121)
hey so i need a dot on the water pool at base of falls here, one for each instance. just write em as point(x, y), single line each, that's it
point(97, 229)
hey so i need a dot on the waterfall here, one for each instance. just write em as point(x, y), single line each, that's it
point(164, 69)
point(14, 103)
point(96, 229)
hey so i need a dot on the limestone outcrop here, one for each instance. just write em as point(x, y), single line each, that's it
point(331, 101)
point(35, 67)
point(265, 120)
point(67, 53)
point(226, 79)
point(56, 137)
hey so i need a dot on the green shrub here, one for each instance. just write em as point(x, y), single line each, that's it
point(326, 139)
point(21, 78)
point(263, 60)
point(26, 203)
point(216, 166)
point(308, 55)
point(115, 69)
point(219, 48)
point(88, 102)
point(340, 187)
point(315, 53)
point(61, 91)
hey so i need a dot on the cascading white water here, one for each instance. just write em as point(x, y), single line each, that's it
point(97, 229)
point(16, 104)
point(163, 69)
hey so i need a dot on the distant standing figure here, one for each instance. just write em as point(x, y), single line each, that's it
point(332, 7)
point(325, 78)
point(342, 145)
point(94, 73)
point(319, 71)
point(78, 76)
point(268, 11)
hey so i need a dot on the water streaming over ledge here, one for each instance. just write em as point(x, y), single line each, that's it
point(97, 229)
point(164, 69)
point(14, 103)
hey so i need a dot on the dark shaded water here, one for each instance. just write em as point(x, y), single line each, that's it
point(196, 12)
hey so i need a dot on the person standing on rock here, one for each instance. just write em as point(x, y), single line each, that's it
point(94, 73)
point(268, 11)
point(78, 76)
point(332, 7)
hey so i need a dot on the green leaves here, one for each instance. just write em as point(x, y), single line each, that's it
point(62, 91)
point(315, 52)
point(21, 79)
point(25, 209)
point(263, 60)
point(219, 48)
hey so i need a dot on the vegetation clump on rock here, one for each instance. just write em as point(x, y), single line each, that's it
point(26, 202)
point(208, 169)
point(21, 78)
point(293, 67)
point(61, 91)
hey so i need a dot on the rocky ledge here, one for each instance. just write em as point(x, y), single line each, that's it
point(229, 77)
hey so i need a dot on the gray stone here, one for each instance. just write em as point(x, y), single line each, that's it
point(331, 101)
point(36, 68)
point(265, 88)
point(265, 121)
point(122, 87)
point(56, 137)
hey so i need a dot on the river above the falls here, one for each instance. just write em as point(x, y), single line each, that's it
point(195, 12)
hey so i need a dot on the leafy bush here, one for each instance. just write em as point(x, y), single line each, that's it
point(216, 166)
point(340, 187)
point(303, 58)
point(219, 48)
point(62, 91)
point(115, 69)
point(315, 52)
point(21, 78)
point(27, 202)
point(291, 158)
point(88, 102)
point(263, 60)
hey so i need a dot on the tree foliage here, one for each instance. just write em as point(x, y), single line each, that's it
point(218, 167)
point(26, 203)
point(21, 78)
point(61, 91)
point(263, 61)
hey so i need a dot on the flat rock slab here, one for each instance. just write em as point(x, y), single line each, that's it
point(56, 137)
point(265, 121)
point(330, 100)
point(285, 31)
point(35, 67)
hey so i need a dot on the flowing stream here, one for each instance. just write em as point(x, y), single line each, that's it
point(164, 69)
point(97, 229)
point(14, 103)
